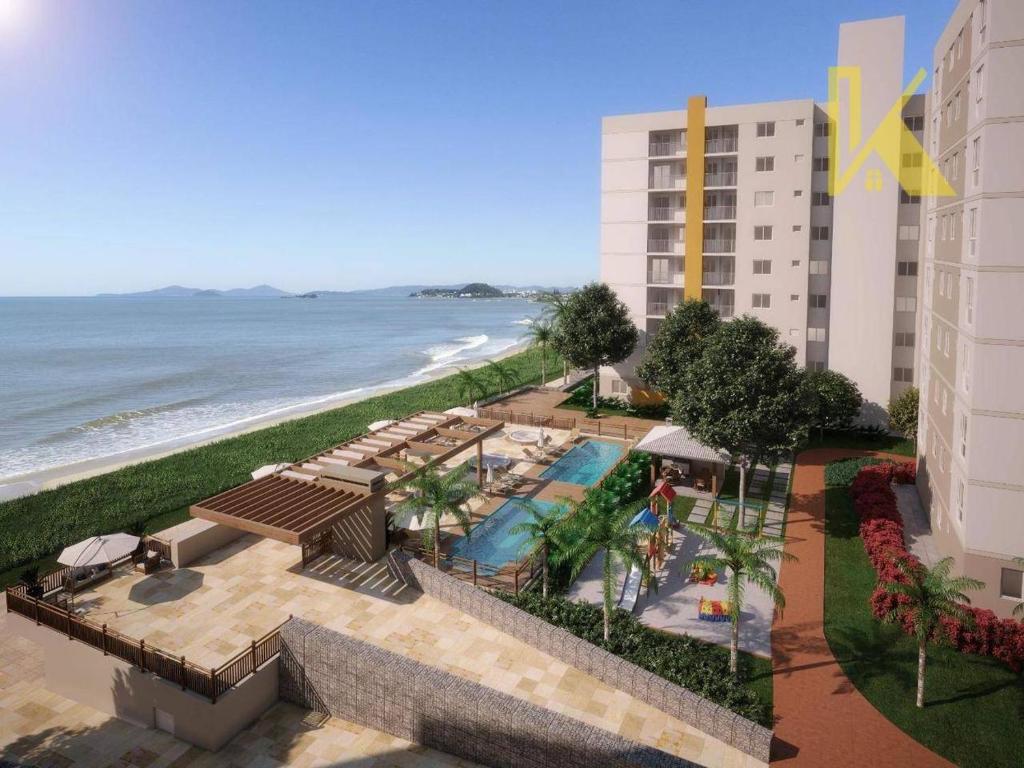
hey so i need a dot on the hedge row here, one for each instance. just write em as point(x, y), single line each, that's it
point(881, 530)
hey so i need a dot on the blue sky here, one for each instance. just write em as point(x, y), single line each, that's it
point(343, 145)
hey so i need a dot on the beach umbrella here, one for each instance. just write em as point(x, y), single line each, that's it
point(540, 438)
point(490, 474)
point(99, 550)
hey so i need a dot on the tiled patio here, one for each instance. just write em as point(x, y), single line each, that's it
point(213, 608)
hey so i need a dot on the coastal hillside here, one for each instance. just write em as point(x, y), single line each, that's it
point(468, 291)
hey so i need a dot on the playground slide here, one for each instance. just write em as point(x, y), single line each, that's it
point(630, 590)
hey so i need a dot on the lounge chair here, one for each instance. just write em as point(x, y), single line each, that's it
point(349, 455)
point(298, 475)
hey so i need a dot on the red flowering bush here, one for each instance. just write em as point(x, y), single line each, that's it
point(881, 531)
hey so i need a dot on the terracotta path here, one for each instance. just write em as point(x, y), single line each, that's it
point(821, 718)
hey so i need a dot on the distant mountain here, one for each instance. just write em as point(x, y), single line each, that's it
point(181, 292)
point(469, 291)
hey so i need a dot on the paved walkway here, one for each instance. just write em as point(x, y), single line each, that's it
point(821, 718)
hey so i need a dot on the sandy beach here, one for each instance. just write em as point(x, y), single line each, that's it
point(33, 482)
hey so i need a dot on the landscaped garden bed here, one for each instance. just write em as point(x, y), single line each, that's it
point(972, 714)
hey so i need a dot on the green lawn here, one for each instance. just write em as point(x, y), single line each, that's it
point(973, 706)
point(862, 441)
point(34, 528)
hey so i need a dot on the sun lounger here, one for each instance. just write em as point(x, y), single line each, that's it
point(297, 475)
point(630, 589)
point(349, 455)
point(375, 442)
point(312, 467)
point(329, 460)
point(433, 417)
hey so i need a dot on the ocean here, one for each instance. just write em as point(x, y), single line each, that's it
point(89, 378)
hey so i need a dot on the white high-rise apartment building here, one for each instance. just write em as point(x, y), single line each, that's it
point(731, 204)
point(971, 360)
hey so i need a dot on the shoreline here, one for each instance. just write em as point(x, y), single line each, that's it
point(30, 483)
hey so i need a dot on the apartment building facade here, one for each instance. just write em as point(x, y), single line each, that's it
point(971, 359)
point(731, 204)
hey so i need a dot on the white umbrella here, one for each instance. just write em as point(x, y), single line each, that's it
point(476, 409)
point(490, 474)
point(99, 550)
point(540, 438)
point(268, 469)
point(380, 424)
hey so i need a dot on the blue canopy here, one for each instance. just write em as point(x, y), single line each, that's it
point(644, 519)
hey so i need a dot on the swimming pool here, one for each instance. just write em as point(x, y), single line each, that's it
point(490, 541)
point(586, 463)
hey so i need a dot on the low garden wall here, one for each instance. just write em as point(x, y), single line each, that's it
point(345, 677)
point(684, 705)
point(881, 530)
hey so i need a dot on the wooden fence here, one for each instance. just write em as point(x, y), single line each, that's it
point(210, 682)
point(528, 419)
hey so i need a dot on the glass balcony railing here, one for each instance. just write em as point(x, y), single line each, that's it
point(722, 179)
point(719, 212)
point(661, 277)
point(719, 278)
point(665, 148)
point(658, 245)
point(665, 213)
point(721, 144)
point(660, 308)
point(663, 181)
point(723, 245)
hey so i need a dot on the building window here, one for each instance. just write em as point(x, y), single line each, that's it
point(795, 263)
point(762, 266)
point(818, 267)
point(797, 227)
point(960, 45)
point(821, 130)
point(979, 89)
point(764, 199)
point(817, 365)
point(821, 198)
point(763, 232)
point(906, 304)
point(904, 339)
point(972, 232)
point(965, 367)
point(956, 105)
point(945, 227)
point(761, 300)
point(1011, 583)
point(945, 401)
point(981, 20)
point(963, 434)
point(955, 163)
point(909, 199)
point(763, 164)
point(911, 160)
point(816, 334)
point(909, 232)
point(960, 499)
point(903, 374)
point(798, 193)
point(619, 387)
point(821, 163)
point(976, 170)
point(765, 130)
point(798, 158)
point(799, 121)
point(819, 233)
point(906, 268)
point(818, 300)
point(969, 303)
point(914, 123)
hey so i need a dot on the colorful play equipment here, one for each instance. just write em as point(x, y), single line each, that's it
point(713, 610)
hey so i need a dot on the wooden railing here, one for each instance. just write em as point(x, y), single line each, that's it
point(210, 682)
point(480, 574)
point(600, 428)
point(153, 544)
point(528, 419)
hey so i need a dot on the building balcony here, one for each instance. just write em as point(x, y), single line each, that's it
point(665, 149)
point(665, 181)
point(718, 278)
point(720, 145)
point(719, 212)
point(663, 277)
point(723, 179)
point(723, 245)
point(658, 245)
point(666, 213)
point(660, 308)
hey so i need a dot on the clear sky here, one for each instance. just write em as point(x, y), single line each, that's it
point(337, 145)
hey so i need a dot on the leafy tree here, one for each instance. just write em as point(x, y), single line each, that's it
point(437, 495)
point(745, 394)
point(469, 385)
point(903, 412)
point(505, 378)
point(595, 330)
point(677, 344)
point(835, 399)
point(929, 595)
point(541, 334)
point(598, 525)
point(540, 529)
point(748, 559)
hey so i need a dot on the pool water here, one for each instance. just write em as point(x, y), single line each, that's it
point(586, 463)
point(491, 543)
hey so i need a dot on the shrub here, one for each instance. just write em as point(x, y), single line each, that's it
point(701, 667)
point(881, 531)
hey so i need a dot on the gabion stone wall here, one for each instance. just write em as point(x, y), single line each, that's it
point(345, 677)
point(679, 702)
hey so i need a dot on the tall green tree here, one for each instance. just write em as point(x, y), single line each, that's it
point(745, 394)
point(540, 530)
point(835, 400)
point(595, 330)
point(541, 334)
point(903, 412)
point(748, 560)
point(599, 526)
point(678, 342)
point(504, 377)
point(437, 494)
point(929, 595)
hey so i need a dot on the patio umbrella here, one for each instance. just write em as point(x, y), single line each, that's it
point(490, 474)
point(99, 550)
point(476, 410)
point(380, 424)
point(460, 411)
point(268, 469)
point(540, 438)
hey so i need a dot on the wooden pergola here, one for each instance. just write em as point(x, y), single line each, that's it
point(302, 502)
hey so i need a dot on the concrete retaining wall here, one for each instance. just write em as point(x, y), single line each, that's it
point(345, 677)
point(683, 704)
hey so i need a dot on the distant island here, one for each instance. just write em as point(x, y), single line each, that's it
point(468, 291)
point(457, 291)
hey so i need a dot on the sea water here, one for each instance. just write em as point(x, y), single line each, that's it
point(88, 378)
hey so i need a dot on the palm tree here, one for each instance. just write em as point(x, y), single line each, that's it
point(469, 386)
point(540, 534)
point(437, 495)
point(930, 594)
point(504, 377)
point(598, 526)
point(554, 312)
point(541, 334)
point(748, 559)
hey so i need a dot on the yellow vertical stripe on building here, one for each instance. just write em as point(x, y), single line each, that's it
point(693, 271)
